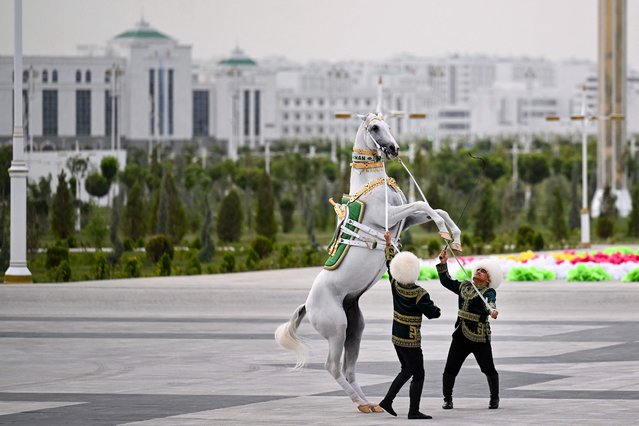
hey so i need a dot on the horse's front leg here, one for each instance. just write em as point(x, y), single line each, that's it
point(456, 245)
point(417, 212)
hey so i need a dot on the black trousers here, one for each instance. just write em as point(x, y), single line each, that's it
point(412, 362)
point(459, 350)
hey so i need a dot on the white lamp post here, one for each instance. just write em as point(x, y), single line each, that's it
point(585, 117)
point(18, 271)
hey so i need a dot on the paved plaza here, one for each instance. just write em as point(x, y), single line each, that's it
point(200, 351)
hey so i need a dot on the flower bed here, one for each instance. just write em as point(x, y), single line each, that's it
point(611, 264)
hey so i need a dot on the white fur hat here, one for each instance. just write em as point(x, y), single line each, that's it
point(405, 267)
point(494, 271)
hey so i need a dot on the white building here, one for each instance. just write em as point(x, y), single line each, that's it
point(163, 96)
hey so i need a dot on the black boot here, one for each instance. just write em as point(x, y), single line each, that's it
point(387, 402)
point(493, 385)
point(415, 394)
point(448, 382)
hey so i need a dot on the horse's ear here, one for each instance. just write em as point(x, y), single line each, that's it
point(362, 117)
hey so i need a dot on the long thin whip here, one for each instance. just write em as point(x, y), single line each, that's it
point(447, 244)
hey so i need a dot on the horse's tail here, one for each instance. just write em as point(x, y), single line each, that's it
point(286, 336)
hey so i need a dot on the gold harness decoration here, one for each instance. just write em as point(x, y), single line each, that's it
point(372, 185)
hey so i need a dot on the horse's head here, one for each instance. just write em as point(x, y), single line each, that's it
point(378, 135)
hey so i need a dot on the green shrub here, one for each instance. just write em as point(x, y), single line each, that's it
point(434, 246)
point(538, 242)
point(127, 245)
point(228, 262)
point(252, 259)
point(605, 227)
point(63, 272)
point(102, 268)
point(632, 276)
point(525, 238)
point(56, 255)
point(427, 272)
point(132, 268)
point(263, 246)
point(522, 273)
point(285, 257)
point(157, 246)
point(164, 265)
point(582, 272)
point(194, 267)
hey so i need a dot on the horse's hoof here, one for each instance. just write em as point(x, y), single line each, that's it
point(376, 408)
point(456, 247)
point(445, 235)
point(364, 408)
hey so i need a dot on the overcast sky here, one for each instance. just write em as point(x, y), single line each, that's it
point(304, 30)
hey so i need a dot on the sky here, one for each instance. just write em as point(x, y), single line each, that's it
point(332, 30)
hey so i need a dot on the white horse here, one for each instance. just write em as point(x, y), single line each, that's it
point(332, 303)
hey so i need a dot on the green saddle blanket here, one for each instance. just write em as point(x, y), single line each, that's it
point(337, 251)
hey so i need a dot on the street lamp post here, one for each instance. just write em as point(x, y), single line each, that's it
point(341, 115)
point(585, 117)
point(411, 154)
point(18, 271)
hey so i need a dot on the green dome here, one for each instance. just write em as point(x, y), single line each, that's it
point(143, 30)
point(238, 58)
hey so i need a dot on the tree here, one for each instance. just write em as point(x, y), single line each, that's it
point(134, 220)
point(62, 212)
point(97, 229)
point(265, 218)
point(574, 220)
point(287, 208)
point(486, 213)
point(109, 167)
point(229, 218)
point(171, 218)
point(208, 247)
point(607, 216)
point(97, 185)
point(533, 168)
point(38, 202)
point(557, 217)
point(633, 219)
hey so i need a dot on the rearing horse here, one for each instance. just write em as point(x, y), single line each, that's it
point(332, 305)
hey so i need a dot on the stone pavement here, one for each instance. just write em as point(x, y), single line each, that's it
point(199, 351)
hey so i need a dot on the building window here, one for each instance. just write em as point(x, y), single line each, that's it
point(82, 112)
point(54, 76)
point(45, 76)
point(110, 112)
point(256, 109)
point(78, 76)
point(107, 76)
point(200, 113)
point(49, 112)
point(161, 101)
point(25, 76)
point(285, 116)
point(87, 76)
point(247, 110)
point(320, 115)
point(152, 101)
point(285, 101)
point(170, 95)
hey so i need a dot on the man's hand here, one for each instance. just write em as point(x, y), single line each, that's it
point(494, 313)
point(387, 237)
point(443, 256)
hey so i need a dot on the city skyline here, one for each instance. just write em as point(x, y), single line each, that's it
point(303, 32)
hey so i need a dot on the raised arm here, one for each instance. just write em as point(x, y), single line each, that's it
point(444, 276)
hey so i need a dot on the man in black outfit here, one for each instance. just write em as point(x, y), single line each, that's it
point(410, 302)
point(472, 329)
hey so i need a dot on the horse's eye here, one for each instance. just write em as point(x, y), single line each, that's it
point(374, 128)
